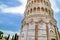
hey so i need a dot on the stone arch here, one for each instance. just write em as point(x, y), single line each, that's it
point(47, 3)
point(31, 10)
point(42, 8)
point(34, 0)
point(49, 12)
point(34, 9)
point(38, 1)
point(52, 13)
point(51, 31)
point(38, 8)
point(44, 1)
point(46, 10)
point(53, 39)
point(28, 12)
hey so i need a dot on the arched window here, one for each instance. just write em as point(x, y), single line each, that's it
point(47, 3)
point(44, 1)
point(51, 31)
point(34, 0)
point(41, 0)
point(37, 0)
point(49, 12)
point(52, 13)
point(38, 9)
point(34, 9)
point(30, 10)
point(42, 9)
point(46, 9)
point(53, 39)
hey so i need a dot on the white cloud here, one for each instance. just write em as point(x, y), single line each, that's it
point(54, 6)
point(3, 6)
point(23, 1)
point(19, 9)
point(8, 32)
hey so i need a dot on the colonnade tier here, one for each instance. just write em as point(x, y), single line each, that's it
point(39, 10)
point(43, 2)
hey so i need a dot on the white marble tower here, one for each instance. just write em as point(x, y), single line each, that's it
point(39, 22)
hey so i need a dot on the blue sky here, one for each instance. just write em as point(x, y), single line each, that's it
point(11, 14)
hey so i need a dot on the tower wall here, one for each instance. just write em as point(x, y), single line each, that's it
point(39, 22)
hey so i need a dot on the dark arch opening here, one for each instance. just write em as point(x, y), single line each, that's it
point(42, 9)
point(34, 9)
point(37, 0)
point(41, 0)
point(52, 39)
point(46, 9)
point(38, 9)
point(30, 10)
point(34, 0)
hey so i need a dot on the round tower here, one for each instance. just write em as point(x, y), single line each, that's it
point(39, 22)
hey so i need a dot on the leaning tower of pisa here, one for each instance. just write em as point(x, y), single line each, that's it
point(39, 22)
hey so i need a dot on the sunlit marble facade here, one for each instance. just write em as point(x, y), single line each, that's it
point(39, 22)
